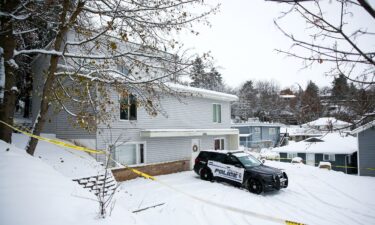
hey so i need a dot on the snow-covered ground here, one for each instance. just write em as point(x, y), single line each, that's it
point(314, 196)
point(34, 193)
point(38, 190)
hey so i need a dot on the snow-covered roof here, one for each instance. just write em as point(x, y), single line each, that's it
point(199, 92)
point(324, 121)
point(333, 143)
point(363, 127)
point(298, 131)
point(256, 124)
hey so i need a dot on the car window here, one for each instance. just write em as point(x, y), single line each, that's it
point(203, 155)
point(231, 160)
point(249, 161)
point(218, 157)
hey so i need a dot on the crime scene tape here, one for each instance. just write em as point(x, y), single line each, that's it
point(55, 142)
point(205, 201)
point(316, 164)
point(147, 176)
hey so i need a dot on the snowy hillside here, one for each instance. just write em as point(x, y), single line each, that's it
point(34, 193)
point(38, 190)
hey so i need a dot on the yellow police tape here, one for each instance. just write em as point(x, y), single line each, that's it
point(55, 142)
point(205, 201)
point(147, 176)
point(348, 167)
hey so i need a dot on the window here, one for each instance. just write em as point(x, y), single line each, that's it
point(329, 157)
point(216, 113)
point(219, 144)
point(272, 131)
point(219, 157)
point(231, 160)
point(128, 107)
point(130, 154)
point(257, 130)
point(292, 155)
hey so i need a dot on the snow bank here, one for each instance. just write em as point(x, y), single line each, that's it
point(71, 163)
point(33, 192)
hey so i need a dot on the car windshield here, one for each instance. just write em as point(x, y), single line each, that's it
point(249, 161)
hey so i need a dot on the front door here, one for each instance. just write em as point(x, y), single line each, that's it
point(195, 149)
point(310, 159)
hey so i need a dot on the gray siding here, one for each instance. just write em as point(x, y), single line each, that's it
point(190, 113)
point(57, 121)
point(366, 152)
point(39, 68)
point(65, 129)
point(157, 149)
point(256, 139)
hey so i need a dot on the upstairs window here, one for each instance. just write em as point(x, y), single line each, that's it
point(128, 107)
point(216, 113)
point(272, 131)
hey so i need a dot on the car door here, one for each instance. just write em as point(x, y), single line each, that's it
point(229, 170)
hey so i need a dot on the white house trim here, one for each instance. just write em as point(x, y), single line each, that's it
point(153, 133)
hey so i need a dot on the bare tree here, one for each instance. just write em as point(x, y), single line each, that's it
point(334, 37)
point(102, 43)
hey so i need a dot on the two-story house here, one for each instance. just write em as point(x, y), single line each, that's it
point(159, 144)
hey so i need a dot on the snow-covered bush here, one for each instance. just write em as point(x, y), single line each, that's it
point(297, 160)
point(325, 165)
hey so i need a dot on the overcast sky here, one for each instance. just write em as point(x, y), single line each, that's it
point(243, 39)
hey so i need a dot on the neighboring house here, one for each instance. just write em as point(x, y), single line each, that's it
point(258, 134)
point(328, 124)
point(162, 144)
point(366, 149)
point(298, 133)
point(339, 150)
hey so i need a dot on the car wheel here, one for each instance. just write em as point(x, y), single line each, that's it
point(255, 186)
point(277, 183)
point(287, 180)
point(206, 174)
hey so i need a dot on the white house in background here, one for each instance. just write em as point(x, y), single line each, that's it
point(366, 149)
point(338, 149)
point(327, 124)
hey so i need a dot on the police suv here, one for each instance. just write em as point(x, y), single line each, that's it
point(240, 169)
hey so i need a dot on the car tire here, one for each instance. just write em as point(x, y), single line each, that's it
point(206, 174)
point(277, 183)
point(255, 186)
point(287, 180)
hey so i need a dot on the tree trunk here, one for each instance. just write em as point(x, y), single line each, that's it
point(8, 44)
point(44, 105)
point(48, 85)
